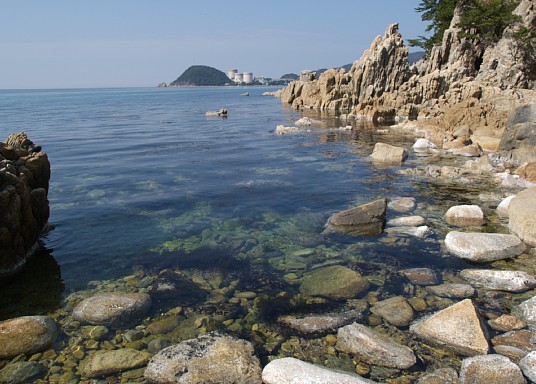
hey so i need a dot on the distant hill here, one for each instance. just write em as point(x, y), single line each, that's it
point(290, 76)
point(201, 75)
point(413, 57)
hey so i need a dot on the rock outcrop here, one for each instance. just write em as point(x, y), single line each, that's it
point(24, 207)
point(462, 86)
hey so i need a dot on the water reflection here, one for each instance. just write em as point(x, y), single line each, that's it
point(36, 290)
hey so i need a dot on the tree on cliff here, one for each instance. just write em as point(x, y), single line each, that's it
point(484, 20)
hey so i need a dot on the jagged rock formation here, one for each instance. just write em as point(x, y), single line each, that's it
point(24, 209)
point(463, 85)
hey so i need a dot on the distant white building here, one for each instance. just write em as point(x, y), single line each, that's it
point(245, 77)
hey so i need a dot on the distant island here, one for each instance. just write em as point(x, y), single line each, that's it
point(201, 75)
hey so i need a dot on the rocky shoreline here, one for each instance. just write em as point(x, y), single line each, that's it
point(24, 208)
point(439, 326)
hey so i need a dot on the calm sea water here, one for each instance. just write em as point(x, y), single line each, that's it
point(141, 178)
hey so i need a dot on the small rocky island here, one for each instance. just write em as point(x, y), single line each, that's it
point(201, 75)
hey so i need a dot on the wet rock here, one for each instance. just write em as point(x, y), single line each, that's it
point(452, 291)
point(502, 208)
point(522, 214)
point(513, 353)
point(283, 130)
point(304, 122)
point(335, 282)
point(407, 221)
point(395, 311)
point(528, 365)
point(365, 219)
point(206, 359)
point(521, 339)
point(457, 328)
point(385, 153)
point(113, 309)
point(472, 150)
point(419, 232)
point(526, 311)
point(464, 215)
point(106, 362)
point(220, 113)
point(289, 370)
point(402, 204)
point(26, 335)
point(423, 145)
point(505, 323)
point(420, 276)
point(510, 281)
point(164, 325)
point(320, 324)
point(483, 247)
point(490, 369)
point(439, 376)
point(22, 372)
point(373, 347)
point(24, 206)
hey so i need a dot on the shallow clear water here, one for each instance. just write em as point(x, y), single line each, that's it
point(136, 169)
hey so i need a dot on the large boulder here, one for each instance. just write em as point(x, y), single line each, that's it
point(518, 142)
point(373, 347)
point(522, 214)
point(457, 328)
point(385, 153)
point(107, 362)
point(368, 219)
point(24, 207)
point(483, 247)
point(490, 369)
point(26, 335)
point(113, 309)
point(464, 215)
point(289, 370)
point(335, 282)
point(510, 281)
point(206, 359)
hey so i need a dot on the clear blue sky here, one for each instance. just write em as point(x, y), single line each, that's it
point(99, 43)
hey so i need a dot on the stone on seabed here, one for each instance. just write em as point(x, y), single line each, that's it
point(490, 369)
point(464, 215)
point(26, 335)
point(510, 281)
point(289, 370)
point(366, 219)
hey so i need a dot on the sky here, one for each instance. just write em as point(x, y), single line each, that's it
point(129, 43)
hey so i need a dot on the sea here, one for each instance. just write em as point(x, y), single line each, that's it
point(143, 182)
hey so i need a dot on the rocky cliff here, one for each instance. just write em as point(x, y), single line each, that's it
point(24, 209)
point(462, 90)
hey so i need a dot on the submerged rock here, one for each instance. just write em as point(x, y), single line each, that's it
point(510, 281)
point(483, 247)
point(419, 232)
point(282, 130)
point(106, 362)
point(439, 376)
point(522, 214)
point(373, 347)
point(320, 324)
point(465, 215)
point(407, 221)
point(113, 309)
point(289, 370)
point(206, 359)
point(220, 113)
point(26, 335)
point(420, 276)
point(457, 328)
point(335, 282)
point(490, 369)
point(402, 204)
point(385, 153)
point(366, 219)
point(395, 311)
point(22, 372)
point(452, 291)
point(505, 323)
